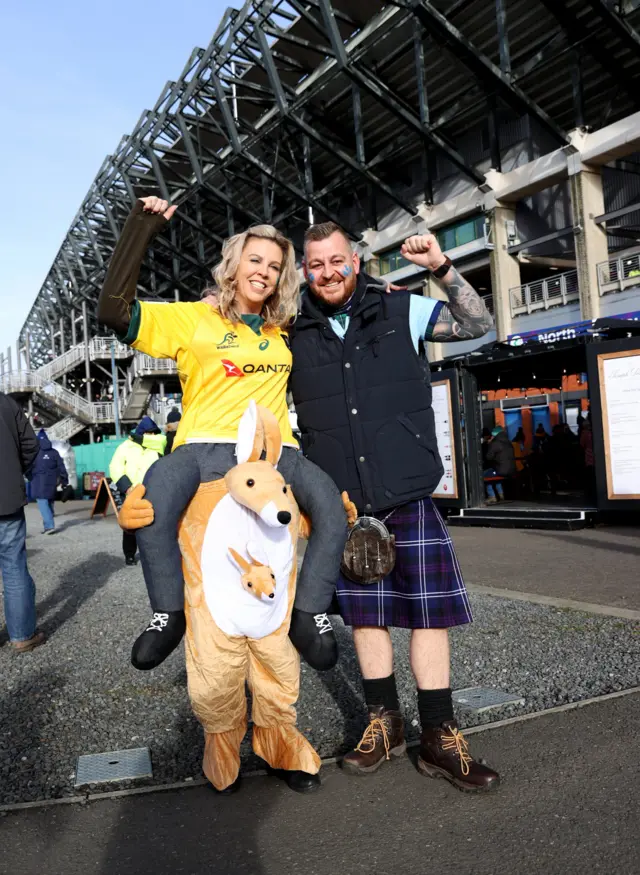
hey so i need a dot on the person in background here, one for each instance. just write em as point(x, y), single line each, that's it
point(501, 462)
point(586, 444)
point(18, 451)
point(486, 437)
point(519, 452)
point(540, 437)
point(48, 470)
point(173, 420)
point(130, 463)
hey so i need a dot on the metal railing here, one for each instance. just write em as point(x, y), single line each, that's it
point(619, 274)
point(99, 348)
point(488, 300)
point(63, 363)
point(65, 400)
point(146, 366)
point(553, 291)
point(103, 411)
point(65, 429)
point(19, 381)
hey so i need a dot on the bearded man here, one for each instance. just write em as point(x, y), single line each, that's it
point(363, 399)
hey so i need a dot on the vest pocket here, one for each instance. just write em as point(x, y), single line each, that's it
point(407, 453)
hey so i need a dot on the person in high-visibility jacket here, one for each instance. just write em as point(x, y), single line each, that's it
point(130, 463)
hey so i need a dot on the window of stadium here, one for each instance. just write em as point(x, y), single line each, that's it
point(450, 237)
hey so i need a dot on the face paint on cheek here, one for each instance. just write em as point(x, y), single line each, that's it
point(312, 277)
point(346, 270)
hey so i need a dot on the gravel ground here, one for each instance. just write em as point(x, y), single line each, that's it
point(79, 693)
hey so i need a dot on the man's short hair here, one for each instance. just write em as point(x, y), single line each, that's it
point(322, 230)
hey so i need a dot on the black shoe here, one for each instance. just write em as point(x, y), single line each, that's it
point(314, 638)
point(129, 560)
point(299, 782)
point(230, 790)
point(159, 639)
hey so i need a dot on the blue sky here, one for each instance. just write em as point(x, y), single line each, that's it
point(76, 76)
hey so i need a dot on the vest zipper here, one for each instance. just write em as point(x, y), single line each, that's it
point(375, 341)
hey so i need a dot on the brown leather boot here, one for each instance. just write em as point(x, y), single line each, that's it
point(444, 753)
point(382, 739)
point(30, 644)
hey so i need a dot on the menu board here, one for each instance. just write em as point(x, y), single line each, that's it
point(441, 403)
point(619, 375)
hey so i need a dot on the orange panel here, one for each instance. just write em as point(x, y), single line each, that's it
point(554, 413)
point(500, 417)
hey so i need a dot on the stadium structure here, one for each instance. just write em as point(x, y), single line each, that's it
point(510, 128)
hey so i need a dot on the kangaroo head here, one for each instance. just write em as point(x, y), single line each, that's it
point(256, 483)
point(257, 579)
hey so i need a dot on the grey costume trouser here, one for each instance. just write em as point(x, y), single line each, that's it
point(173, 480)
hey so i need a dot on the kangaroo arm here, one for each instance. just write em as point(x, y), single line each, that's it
point(304, 528)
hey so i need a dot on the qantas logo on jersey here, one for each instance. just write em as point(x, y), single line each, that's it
point(232, 370)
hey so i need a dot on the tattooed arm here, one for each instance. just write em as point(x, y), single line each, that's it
point(465, 315)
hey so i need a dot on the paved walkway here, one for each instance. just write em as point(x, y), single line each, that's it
point(568, 805)
point(591, 565)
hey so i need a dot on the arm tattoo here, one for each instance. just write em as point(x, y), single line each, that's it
point(465, 317)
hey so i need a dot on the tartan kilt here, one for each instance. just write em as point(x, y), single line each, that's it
point(425, 590)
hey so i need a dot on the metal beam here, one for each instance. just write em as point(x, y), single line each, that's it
point(480, 65)
point(616, 214)
point(529, 244)
point(616, 24)
point(392, 102)
point(592, 42)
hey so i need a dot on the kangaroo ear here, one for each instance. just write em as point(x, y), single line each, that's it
point(250, 435)
point(272, 436)
point(256, 553)
point(254, 561)
point(242, 564)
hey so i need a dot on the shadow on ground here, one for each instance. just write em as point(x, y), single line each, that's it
point(66, 600)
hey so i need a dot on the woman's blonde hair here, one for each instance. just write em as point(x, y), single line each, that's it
point(282, 306)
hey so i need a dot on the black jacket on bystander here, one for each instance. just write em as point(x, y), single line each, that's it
point(19, 448)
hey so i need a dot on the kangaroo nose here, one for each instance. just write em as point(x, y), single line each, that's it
point(271, 595)
point(284, 517)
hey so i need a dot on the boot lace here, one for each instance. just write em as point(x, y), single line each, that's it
point(158, 622)
point(323, 623)
point(458, 743)
point(372, 733)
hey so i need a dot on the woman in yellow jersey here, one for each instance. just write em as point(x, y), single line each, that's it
point(225, 358)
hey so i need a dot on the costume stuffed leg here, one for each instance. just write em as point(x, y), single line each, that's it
point(238, 540)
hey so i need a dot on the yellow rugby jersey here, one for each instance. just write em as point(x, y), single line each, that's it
point(221, 366)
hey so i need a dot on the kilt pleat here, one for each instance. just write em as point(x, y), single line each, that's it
point(425, 590)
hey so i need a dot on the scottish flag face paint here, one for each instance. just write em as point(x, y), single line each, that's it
point(346, 270)
point(312, 277)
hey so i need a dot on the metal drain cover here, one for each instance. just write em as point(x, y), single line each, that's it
point(484, 698)
point(114, 765)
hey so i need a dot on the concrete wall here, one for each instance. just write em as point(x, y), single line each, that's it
point(620, 302)
point(542, 319)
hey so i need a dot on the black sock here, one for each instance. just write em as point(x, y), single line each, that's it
point(435, 707)
point(381, 692)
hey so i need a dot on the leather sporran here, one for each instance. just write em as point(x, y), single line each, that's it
point(370, 551)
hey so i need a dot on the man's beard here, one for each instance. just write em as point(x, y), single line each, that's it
point(349, 286)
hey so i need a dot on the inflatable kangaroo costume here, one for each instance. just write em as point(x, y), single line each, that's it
point(238, 540)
